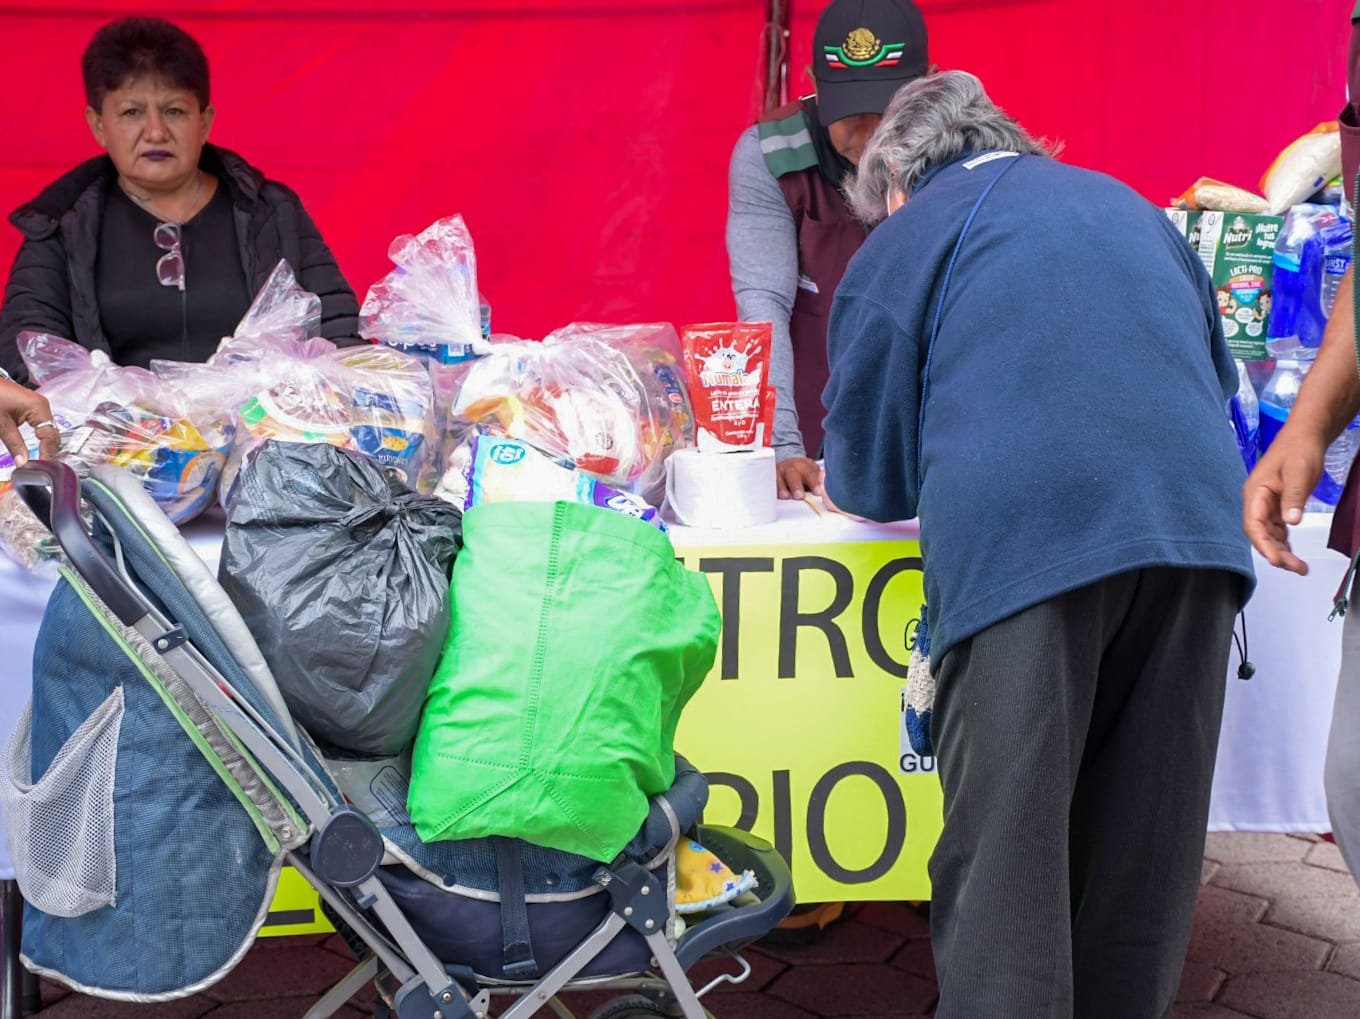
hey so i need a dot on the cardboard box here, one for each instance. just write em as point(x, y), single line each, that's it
point(1238, 248)
point(1187, 222)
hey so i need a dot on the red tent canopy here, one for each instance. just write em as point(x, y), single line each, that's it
point(586, 144)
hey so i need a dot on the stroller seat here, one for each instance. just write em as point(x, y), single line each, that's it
point(195, 787)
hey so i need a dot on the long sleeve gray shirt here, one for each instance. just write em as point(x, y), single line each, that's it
point(762, 250)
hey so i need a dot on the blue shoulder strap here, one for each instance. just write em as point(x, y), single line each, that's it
point(1011, 159)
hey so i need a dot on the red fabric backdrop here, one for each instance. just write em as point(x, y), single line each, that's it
point(586, 143)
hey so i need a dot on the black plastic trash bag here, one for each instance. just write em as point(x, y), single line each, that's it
point(342, 574)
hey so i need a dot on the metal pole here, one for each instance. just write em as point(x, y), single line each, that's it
point(12, 984)
point(776, 44)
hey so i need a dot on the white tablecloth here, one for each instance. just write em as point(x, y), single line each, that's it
point(1274, 728)
point(1270, 756)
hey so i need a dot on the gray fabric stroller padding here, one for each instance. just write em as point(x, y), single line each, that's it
point(162, 585)
point(201, 584)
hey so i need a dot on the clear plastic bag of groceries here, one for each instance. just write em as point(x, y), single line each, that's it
point(577, 398)
point(454, 453)
point(282, 317)
point(282, 310)
point(128, 417)
point(289, 384)
point(369, 400)
point(428, 304)
point(657, 356)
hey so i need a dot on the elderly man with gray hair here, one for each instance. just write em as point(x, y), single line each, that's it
point(1028, 356)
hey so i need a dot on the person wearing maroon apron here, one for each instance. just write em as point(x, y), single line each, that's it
point(1275, 492)
point(790, 233)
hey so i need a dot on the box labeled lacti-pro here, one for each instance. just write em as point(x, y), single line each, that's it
point(1237, 248)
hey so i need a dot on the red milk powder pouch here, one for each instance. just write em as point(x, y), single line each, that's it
point(727, 367)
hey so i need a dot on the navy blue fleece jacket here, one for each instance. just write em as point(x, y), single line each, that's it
point(1074, 423)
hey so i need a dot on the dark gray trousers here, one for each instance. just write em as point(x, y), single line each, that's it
point(1076, 744)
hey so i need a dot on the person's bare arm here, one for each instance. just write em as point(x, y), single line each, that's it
point(1274, 494)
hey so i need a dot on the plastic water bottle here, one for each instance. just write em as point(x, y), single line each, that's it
point(1336, 244)
point(1298, 313)
point(1335, 466)
point(1245, 414)
point(1277, 398)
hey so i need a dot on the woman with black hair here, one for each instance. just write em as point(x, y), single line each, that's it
point(156, 249)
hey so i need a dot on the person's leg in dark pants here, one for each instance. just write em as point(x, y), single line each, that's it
point(1142, 798)
point(1014, 711)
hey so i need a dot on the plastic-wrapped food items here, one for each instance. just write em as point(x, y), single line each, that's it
point(655, 351)
point(592, 395)
point(1208, 193)
point(76, 380)
point(179, 461)
point(284, 382)
point(368, 400)
point(508, 470)
point(22, 536)
point(428, 305)
point(129, 417)
point(282, 310)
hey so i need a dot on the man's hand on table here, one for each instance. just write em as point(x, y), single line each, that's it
point(797, 476)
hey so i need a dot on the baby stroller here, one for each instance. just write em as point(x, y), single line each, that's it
point(157, 785)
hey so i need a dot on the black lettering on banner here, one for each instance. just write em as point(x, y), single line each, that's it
point(791, 618)
point(873, 599)
point(893, 841)
point(288, 917)
point(911, 763)
point(731, 570)
point(783, 815)
point(747, 796)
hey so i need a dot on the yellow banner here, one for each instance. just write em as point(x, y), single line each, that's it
point(798, 727)
point(296, 908)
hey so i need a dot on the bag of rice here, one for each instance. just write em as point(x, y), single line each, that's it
point(1303, 168)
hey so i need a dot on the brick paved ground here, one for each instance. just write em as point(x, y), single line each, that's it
point(1277, 936)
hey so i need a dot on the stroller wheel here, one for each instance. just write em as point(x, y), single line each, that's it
point(637, 1006)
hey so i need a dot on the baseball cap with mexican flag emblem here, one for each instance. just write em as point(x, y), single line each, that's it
point(863, 51)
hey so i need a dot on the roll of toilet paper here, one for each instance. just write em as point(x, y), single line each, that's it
point(721, 489)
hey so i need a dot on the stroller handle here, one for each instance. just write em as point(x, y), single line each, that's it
point(52, 491)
